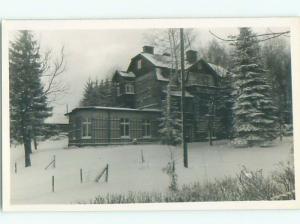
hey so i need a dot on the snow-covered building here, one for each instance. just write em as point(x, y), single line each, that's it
point(138, 95)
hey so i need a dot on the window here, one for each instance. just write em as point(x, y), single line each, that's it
point(87, 128)
point(73, 132)
point(146, 129)
point(199, 66)
point(205, 80)
point(118, 89)
point(139, 64)
point(124, 127)
point(129, 89)
point(211, 81)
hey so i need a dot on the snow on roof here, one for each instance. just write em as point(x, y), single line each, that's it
point(113, 108)
point(178, 93)
point(159, 75)
point(158, 60)
point(219, 69)
point(165, 61)
point(126, 74)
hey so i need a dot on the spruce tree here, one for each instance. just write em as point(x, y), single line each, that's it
point(89, 96)
point(28, 103)
point(254, 114)
point(107, 93)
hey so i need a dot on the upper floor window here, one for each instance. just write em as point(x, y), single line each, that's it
point(118, 89)
point(205, 80)
point(124, 127)
point(129, 88)
point(146, 128)
point(211, 81)
point(139, 64)
point(199, 66)
point(86, 128)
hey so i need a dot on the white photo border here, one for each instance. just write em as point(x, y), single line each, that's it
point(9, 25)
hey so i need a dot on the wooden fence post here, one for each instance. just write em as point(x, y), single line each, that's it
point(80, 175)
point(142, 155)
point(106, 174)
point(52, 183)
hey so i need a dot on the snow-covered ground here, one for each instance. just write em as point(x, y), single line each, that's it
point(126, 170)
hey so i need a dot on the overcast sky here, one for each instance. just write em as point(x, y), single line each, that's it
point(97, 53)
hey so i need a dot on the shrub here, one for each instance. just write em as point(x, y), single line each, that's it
point(170, 170)
point(246, 186)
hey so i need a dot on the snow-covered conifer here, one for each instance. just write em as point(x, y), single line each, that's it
point(254, 114)
point(28, 103)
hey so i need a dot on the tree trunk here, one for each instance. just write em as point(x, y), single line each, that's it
point(27, 147)
point(210, 132)
point(280, 130)
point(35, 142)
point(34, 139)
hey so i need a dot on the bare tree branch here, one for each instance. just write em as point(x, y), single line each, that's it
point(278, 35)
point(273, 35)
point(53, 71)
point(220, 38)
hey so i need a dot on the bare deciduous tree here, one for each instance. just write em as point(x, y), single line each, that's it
point(53, 69)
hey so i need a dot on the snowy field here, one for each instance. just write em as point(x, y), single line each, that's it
point(126, 171)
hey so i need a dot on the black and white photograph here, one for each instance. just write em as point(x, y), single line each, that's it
point(149, 113)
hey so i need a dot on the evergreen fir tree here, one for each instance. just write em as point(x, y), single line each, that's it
point(254, 113)
point(90, 93)
point(101, 93)
point(107, 93)
point(28, 103)
point(97, 93)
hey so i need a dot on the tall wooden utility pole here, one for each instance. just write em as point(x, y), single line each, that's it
point(184, 144)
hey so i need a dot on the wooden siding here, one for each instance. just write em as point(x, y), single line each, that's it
point(148, 91)
point(105, 127)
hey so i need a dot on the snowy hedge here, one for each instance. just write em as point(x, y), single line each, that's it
point(246, 186)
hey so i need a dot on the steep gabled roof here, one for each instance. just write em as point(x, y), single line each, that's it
point(164, 61)
point(158, 60)
point(219, 69)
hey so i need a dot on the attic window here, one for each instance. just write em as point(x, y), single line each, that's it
point(205, 80)
point(139, 64)
point(118, 89)
point(199, 66)
point(129, 89)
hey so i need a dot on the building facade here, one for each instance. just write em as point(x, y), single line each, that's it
point(139, 95)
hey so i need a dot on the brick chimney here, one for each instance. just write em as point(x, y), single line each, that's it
point(191, 56)
point(148, 49)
